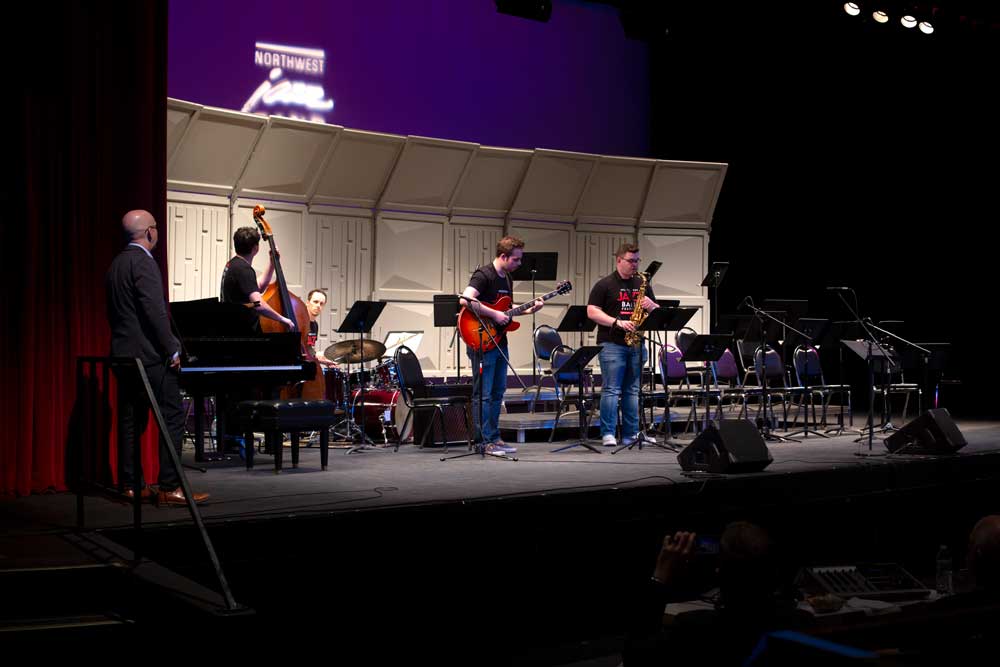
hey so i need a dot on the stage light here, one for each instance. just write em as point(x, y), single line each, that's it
point(880, 16)
point(536, 10)
point(852, 8)
point(908, 21)
point(926, 27)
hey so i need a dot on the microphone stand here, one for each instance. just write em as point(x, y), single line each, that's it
point(765, 428)
point(871, 371)
point(477, 362)
point(458, 360)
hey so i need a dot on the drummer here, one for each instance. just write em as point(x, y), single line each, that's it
point(314, 304)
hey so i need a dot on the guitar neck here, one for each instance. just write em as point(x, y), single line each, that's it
point(525, 306)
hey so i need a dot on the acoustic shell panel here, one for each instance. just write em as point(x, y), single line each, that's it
point(214, 150)
point(198, 238)
point(683, 193)
point(427, 174)
point(338, 259)
point(287, 159)
point(409, 259)
point(468, 247)
point(179, 115)
point(616, 191)
point(553, 184)
point(685, 261)
point(491, 182)
point(548, 237)
point(288, 224)
point(358, 168)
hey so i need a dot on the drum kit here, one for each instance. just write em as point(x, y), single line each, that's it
point(369, 396)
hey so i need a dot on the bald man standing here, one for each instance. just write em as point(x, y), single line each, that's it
point(137, 313)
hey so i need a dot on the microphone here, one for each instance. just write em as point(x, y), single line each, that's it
point(838, 289)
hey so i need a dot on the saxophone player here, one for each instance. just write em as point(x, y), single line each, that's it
point(617, 303)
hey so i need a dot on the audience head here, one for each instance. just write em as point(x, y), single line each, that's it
point(984, 553)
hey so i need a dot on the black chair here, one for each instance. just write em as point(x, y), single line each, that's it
point(809, 374)
point(769, 363)
point(417, 396)
point(545, 339)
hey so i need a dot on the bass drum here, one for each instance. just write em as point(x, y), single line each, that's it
point(384, 412)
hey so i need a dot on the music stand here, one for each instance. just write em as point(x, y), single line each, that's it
point(576, 319)
point(446, 308)
point(708, 348)
point(869, 351)
point(660, 319)
point(712, 280)
point(359, 320)
point(577, 363)
point(536, 266)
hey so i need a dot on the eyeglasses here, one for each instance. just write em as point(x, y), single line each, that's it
point(635, 260)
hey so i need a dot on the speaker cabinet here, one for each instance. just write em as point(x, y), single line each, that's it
point(933, 432)
point(734, 446)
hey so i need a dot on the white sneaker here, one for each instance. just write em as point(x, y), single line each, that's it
point(609, 440)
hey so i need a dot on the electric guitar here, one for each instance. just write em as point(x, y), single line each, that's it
point(469, 327)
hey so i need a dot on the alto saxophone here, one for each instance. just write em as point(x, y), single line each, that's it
point(639, 315)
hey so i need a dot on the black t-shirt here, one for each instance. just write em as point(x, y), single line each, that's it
point(313, 333)
point(491, 286)
point(616, 297)
point(239, 281)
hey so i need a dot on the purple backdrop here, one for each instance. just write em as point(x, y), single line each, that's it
point(453, 69)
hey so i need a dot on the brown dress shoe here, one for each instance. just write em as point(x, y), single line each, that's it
point(146, 494)
point(176, 498)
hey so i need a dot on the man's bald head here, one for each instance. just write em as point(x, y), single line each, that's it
point(138, 227)
point(984, 553)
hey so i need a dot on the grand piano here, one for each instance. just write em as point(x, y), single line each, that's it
point(224, 352)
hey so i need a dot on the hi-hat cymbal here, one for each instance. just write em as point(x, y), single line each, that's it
point(352, 351)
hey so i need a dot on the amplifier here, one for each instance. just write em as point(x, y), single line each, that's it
point(455, 428)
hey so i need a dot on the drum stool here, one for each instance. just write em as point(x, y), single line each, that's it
point(286, 416)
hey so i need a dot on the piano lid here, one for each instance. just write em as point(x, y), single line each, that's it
point(222, 334)
point(210, 318)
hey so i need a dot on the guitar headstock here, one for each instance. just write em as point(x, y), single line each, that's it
point(258, 217)
point(564, 287)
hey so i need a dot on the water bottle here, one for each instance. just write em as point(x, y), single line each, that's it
point(943, 581)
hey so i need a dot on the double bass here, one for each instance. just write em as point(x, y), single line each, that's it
point(287, 304)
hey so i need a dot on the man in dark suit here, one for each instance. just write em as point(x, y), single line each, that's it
point(137, 313)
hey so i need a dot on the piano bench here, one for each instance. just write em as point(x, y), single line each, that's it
point(286, 416)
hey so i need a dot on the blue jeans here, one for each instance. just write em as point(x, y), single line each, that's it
point(621, 369)
point(494, 379)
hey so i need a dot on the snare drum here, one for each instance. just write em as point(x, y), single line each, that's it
point(384, 414)
point(336, 387)
point(387, 375)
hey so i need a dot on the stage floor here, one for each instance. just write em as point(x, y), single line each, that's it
point(381, 479)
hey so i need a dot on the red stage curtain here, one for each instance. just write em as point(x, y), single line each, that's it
point(88, 129)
